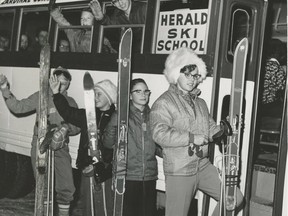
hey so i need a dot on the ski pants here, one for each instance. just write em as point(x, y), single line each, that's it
point(140, 198)
point(180, 190)
point(64, 184)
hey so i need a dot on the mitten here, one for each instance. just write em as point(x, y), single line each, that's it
point(48, 137)
point(60, 138)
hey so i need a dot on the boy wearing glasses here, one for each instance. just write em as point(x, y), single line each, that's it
point(182, 126)
point(64, 185)
point(126, 12)
point(141, 173)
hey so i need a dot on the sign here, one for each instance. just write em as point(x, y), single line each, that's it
point(182, 28)
point(13, 3)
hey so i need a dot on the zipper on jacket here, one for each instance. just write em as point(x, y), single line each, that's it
point(143, 145)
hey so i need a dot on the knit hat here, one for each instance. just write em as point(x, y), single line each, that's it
point(60, 70)
point(180, 58)
point(109, 90)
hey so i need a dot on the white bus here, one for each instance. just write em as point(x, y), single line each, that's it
point(211, 27)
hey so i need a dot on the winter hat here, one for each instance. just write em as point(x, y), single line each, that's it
point(60, 70)
point(109, 90)
point(180, 58)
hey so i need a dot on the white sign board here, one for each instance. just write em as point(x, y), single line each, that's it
point(182, 28)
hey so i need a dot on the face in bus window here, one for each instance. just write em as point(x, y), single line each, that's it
point(87, 18)
point(101, 101)
point(188, 79)
point(4, 43)
point(42, 38)
point(64, 46)
point(123, 5)
point(24, 42)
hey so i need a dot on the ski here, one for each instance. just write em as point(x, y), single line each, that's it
point(41, 159)
point(97, 190)
point(120, 152)
point(231, 155)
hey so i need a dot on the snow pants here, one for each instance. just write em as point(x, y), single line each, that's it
point(64, 184)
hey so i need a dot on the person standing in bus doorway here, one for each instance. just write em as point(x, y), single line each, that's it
point(79, 39)
point(141, 175)
point(182, 126)
point(126, 12)
point(105, 99)
point(64, 185)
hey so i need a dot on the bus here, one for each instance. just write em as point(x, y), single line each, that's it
point(212, 28)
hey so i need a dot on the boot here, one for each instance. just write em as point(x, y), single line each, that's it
point(63, 210)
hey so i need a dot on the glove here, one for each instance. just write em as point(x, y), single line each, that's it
point(99, 170)
point(48, 137)
point(52, 5)
point(60, 138)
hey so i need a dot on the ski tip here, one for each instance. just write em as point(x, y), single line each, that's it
point(88, 81)
point(127, 33)
point(242, 44)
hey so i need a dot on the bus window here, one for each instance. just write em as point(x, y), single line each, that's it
point(6, 26)
point(68, 27)
point(115, 23)
point(240, 28)
point(181, 24)
point(34, 25)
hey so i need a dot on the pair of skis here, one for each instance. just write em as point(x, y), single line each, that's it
point(42, 168)
point(120, 155)
point(230, 159)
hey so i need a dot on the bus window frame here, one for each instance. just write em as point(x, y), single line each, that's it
point(122, 27)
point(233, 41)
point(11, 38)
point(56, 29)
point(37, 9)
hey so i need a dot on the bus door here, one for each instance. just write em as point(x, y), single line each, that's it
point(237, 19)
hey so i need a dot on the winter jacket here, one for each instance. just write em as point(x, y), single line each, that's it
point(31, 104)
point(137, 15)
point(141, 161)
point(173, 123)
point(77, 117)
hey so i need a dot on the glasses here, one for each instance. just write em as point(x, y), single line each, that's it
point(187, 71)
point(114, 2)
point(145, 92)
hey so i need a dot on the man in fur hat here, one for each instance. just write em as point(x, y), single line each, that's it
point(105, 100)
point(64, 185)
point(182, 126)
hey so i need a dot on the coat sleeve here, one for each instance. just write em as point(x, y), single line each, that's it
point(73, 130)
point(21, 106)
point(163, 132)
point(110, 132)
point(70, 114)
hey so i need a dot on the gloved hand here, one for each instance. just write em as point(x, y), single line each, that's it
point(48, 137)
point(52, 5)
point(60, 138)
point(221, 136)
point(99, 170)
